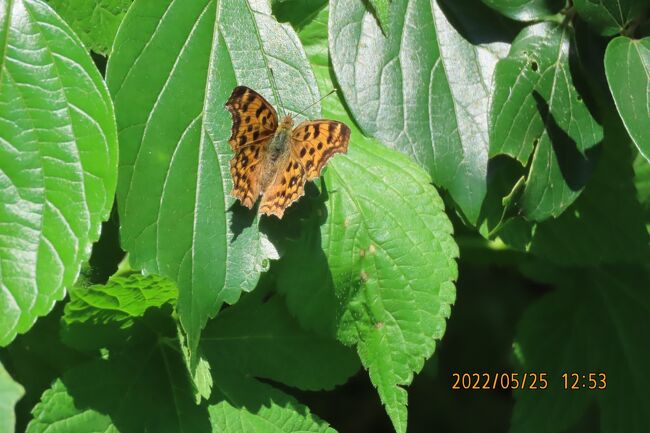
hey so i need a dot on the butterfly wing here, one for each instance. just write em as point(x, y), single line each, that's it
point(245, 169)
point(314, 142)
point(254, 122)
point(253, 118)
point(287, 186)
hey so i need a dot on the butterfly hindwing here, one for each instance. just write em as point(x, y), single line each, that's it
point(287, 186)
point(314, 142)
point(253, 118)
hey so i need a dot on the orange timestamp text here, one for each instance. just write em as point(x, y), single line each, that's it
point(492, 381)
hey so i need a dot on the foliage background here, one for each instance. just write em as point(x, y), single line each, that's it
point(492, 215)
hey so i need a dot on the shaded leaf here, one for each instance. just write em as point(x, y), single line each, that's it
point(609, 17)
point(583, 235)
point(642, 181)
point(245, 405)
point(58, 161)
point(526, 10)
point(172, 69)
point(627, 65)
point(94, 21)
point(140, 387)
point(539, 118)
point(10, 393)
point(424, 89)
point(259, 337)
point(596, 322)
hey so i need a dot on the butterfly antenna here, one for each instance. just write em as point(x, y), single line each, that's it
point(278, 92)
point(314, 103)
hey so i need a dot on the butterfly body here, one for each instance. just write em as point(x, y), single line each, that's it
point(275, 160)
point(277, 154)
point(281, 141)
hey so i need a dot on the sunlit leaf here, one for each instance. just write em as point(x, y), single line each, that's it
point(627, 64)
point(58, 161)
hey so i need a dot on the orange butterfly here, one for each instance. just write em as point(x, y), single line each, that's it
point(275, 161)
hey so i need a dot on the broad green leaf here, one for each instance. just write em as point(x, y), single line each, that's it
point(381, 267)
point(98, 315)
point(627, 65)
point(58, 161)
point(94, 21)
point(172, 69)
point(583, 235)
point(10, 393)
point(424, 89)
point(609, 17)
point(382, 262)
point(526, 10)
point(258, 337)
point(596, 322)
point(539, 118)
point(245, 405)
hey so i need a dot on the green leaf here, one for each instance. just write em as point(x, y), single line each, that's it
point(10, 393)
point(382, 264)
point(259, 337)
point(97, 316)
point(526, 10)
point(140, 387)
point(381, 8)
point(583, 235)
point(539, 118)
point(381, 267)
point(94, 21)
point(58, 161)
point(424, 89)
point(596, 322)
point(248, 406)
point(627, 65)
point(143, 385)
point(172, 69)
point(642, 181)
point(609, 17)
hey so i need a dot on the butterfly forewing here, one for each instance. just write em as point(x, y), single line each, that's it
point(254, 122)
point(314, 142)
point(253, 118)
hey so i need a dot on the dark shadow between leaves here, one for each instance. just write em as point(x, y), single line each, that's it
point(241, 218)
point(477, 23)
point(503, 172)
point(576, 167)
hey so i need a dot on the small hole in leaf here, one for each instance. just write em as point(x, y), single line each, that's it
point(534, 66)
point(579, 98)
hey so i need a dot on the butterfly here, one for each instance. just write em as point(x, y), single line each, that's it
point(275, 160)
